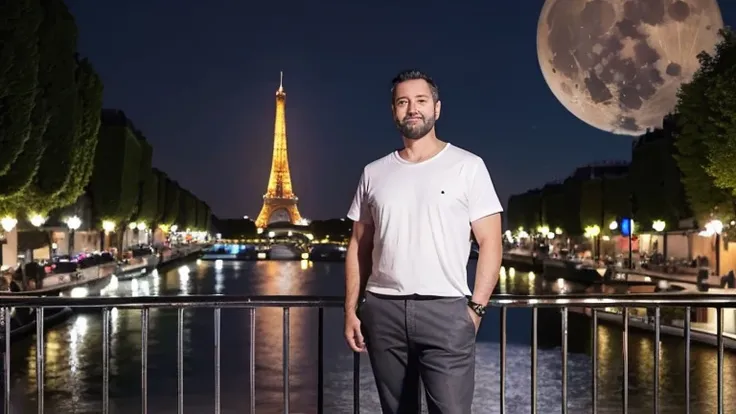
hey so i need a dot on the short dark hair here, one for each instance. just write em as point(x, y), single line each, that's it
point(413, 74)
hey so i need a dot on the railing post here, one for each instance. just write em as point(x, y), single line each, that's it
point(625, 358)
point(535, 341)
point(657, 327)
point(252, 359)
point(502, 355)
point(6, 360)
point(286, 360)
point(594, 357)
point(564, 359)
point(687, 359)
point(105, 360)
point(356, 382)
point(320, 360)
point(40, 359)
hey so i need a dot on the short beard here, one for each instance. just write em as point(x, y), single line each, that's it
point(416, 131)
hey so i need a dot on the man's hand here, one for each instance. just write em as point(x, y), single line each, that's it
point(353, 334)
point(475, 318)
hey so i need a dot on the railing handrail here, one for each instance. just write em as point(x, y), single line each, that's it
point(246, 301)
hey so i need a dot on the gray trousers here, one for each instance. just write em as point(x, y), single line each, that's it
point(412, 336)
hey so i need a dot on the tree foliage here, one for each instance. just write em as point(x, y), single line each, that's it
point(114, 185)
point(19, 58)
point(705, 138)
point(89, 99)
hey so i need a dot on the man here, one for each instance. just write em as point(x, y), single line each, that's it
point(413, 214)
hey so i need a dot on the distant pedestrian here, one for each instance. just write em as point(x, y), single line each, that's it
point(413, 214)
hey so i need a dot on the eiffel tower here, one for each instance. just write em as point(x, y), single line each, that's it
point(279, 202)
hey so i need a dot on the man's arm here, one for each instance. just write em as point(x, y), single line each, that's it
point(487, 232)
point(358, 264)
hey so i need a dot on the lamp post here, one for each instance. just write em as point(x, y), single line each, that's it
point(659, 226)
point(715, 228)
point(8, 224)
point(73, 223)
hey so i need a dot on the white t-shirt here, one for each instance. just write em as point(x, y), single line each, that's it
point(421, 213)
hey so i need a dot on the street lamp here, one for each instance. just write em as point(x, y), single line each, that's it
point(37, 220)
point(8, 224)
point(73, 223)
point(714, 228)
point(659, 226)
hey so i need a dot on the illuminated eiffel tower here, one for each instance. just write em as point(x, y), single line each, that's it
point(279, 202)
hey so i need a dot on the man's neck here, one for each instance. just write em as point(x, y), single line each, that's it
point(418, 150)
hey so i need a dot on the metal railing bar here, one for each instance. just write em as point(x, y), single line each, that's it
point(252, 359)
point(687, 360)
point(657, 333)
point(144, 360)
point(320, 361)
point(625, 361)
point(356, 383)
point(40, 359)
point(594, 358)
point(502, 355)
point(105, 360)
point(213, 301)
point(180, 361)
point(719, 339)
point(6, 361)
point(564, 332)
point(535, 341)
point(218, 351)
point(286, 360)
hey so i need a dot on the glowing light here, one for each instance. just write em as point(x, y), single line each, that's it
point(73, 222)
point(108, 226)
point(8, 223)
point(305, 256)
point(592, 231)
point(613, 225)
point(711, 228)
point(37, 220)
point(271, 234)
point(658, 225)
point(141, 226)
point(558, 231)
point(174, 228)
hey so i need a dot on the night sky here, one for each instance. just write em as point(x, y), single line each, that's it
point(199, 79)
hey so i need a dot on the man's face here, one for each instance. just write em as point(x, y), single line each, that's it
point(415, 112)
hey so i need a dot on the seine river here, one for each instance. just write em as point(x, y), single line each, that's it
point(74, 354)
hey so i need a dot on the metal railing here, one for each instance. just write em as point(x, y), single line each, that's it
point(217, 303)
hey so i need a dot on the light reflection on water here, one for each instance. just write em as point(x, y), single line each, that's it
point(74, 354)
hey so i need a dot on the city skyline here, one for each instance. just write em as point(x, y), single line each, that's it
point(204, 96)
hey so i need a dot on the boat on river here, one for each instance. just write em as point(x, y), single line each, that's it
point(138, 261)
point(327, 252)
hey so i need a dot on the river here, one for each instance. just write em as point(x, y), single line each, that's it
point(74, 353)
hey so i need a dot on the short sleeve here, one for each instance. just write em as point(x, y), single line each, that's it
point(359, 209)
point(482, 198)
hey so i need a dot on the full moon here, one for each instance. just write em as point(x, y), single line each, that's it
point(617, 65)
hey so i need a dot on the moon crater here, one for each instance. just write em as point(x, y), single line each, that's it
point(627, 59)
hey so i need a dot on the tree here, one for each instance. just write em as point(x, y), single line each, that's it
point(20, 148)
point(705, 139)
point(89, 99)
point(114, 184)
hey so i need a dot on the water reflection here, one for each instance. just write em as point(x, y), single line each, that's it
point(74, 353)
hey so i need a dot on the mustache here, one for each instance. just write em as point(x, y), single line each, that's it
point(409, 117)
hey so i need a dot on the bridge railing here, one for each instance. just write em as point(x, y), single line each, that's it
point(504, 302)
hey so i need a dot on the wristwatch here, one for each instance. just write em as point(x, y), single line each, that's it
point(479, 309)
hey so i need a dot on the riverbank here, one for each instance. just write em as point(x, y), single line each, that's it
point(702, 333)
